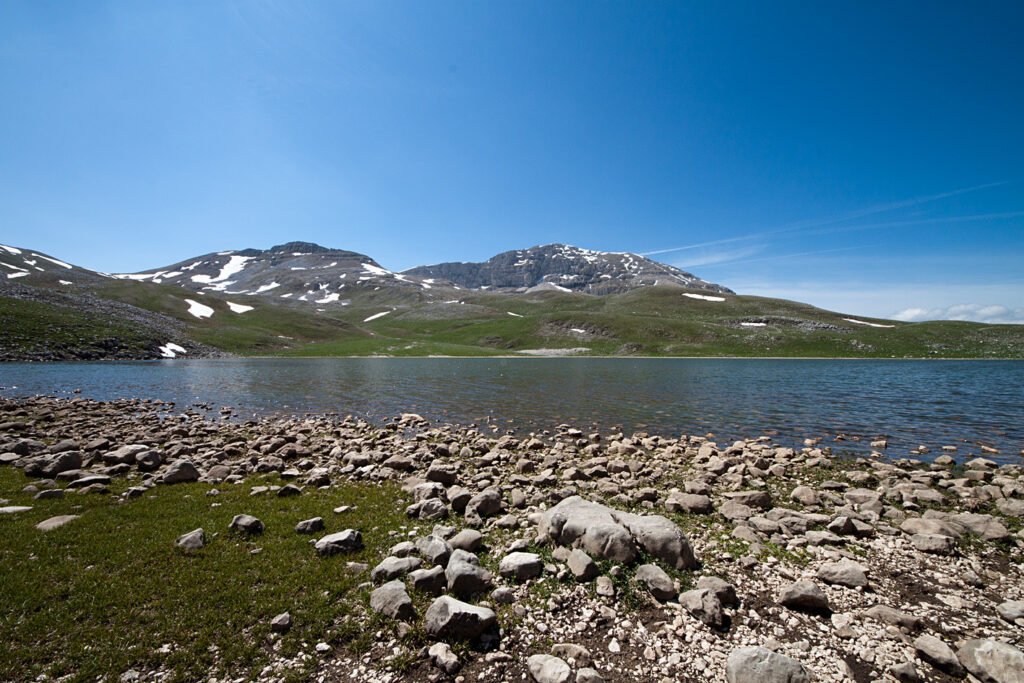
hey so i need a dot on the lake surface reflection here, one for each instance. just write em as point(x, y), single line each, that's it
point(934, 403)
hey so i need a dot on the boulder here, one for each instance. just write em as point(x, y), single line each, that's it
point(465, 575)
point(246, 524)
point(804, 596)
point(724, 591)
point(934, 544)
point(691, 503)
point(656, 581)
point(346, 541)
point(443, 658)
point(548, 669)
point(469, 540)
point(1011, 610)
point(521, 566)
point(180, 472)
point(614, 535)
point(391, 568)
point(844, 573)
point(761, 665)
point(992, 661)
point(310, 526)
point(282, 623)
point(703, 603)
point(193, 540)
point(483, 505)
point(450, 618)
point(434, 549)
point(581, 565)
point(938, 654)
point(392, 601)
point(430, 581)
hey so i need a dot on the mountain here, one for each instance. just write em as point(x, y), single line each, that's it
point(566, 268)
point(296, 271)
point(300, 299)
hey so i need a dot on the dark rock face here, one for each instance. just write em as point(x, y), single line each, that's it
point(559, 266)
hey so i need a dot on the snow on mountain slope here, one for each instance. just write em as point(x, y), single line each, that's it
point(565, 268)
point(296, 271)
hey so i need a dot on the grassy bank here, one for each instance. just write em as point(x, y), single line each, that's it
point(109, 591)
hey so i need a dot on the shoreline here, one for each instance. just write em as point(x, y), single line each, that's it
point(898, 554)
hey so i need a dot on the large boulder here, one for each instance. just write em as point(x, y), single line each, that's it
point(992, 661)
point(450, 618)
point(761, 665)
point(613, 535)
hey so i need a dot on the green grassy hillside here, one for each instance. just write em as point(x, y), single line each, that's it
point(651, 321)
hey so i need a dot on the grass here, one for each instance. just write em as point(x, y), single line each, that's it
point(108, 591)
point(32, 327)
point(651, 321)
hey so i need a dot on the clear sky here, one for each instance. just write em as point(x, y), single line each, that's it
point(861, 156)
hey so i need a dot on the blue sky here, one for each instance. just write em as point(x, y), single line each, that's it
point(865, 156)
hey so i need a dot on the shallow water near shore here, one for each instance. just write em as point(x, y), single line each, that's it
point(933, 403)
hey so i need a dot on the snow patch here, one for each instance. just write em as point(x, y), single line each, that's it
point(53, 260)
point(754, 324)
point(376, 270)
point(135, 276)
point(704, 297)
point(577, 330)
point(376, 315)
point(14, 275)
point(170, 350)
point(865, 322)
point(267, 288)
point(234, 265)
point(330, 298)
point(238, 308)
point(64, 282)
point(199, 310)
point(10, 249)
point(514, 315)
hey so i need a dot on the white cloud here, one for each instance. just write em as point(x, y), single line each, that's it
point(979, 313)
point(712, 257)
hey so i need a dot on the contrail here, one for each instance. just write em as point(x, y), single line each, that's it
point(800, 226)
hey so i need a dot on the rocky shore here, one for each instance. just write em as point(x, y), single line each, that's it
point(572, 556)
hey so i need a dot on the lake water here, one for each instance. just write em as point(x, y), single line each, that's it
point(935, 403)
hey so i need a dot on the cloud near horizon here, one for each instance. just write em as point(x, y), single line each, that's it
point(978, 313)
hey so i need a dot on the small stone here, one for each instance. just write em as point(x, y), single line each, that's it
point(443, 658)
point(282, 623)
point(310, 526)
point(57, 522)
point(548, 669)
point(193, 540)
